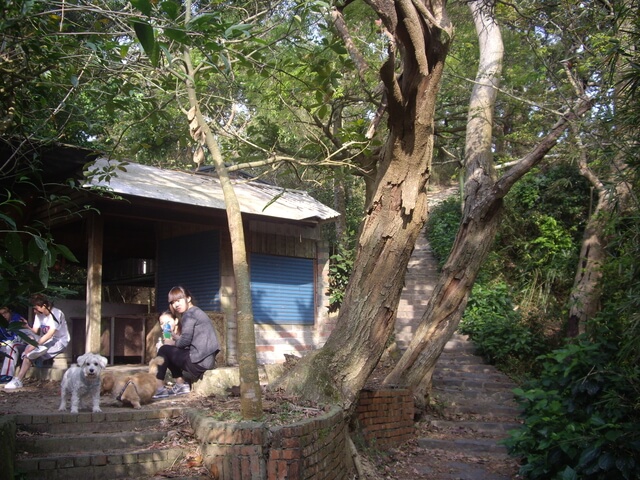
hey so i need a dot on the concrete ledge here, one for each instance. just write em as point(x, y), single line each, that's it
point(46, 373)
point(216, 382)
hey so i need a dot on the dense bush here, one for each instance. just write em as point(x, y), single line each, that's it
point(340, 269)
point(538, 241)
point(442, 227)
point(498, 331)
point(581, 416)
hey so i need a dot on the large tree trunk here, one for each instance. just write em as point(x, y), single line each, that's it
point(250, 390)
point(476, 232)
point(394, 216)
point(480, 218)
point(483, 204)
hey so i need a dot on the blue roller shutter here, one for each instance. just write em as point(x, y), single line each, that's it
point(282, 289)
point(192, 261)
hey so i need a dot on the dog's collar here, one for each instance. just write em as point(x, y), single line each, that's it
point(129, 382)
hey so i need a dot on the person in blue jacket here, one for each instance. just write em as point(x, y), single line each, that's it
point(11, 344)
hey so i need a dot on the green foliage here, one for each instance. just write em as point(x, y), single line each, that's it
point(339, 272)
point(621, 282)
point(442, 227)
point(498, 331)
point(28, 252)
point(26, 260)
point(581, 416)
point(538, 242)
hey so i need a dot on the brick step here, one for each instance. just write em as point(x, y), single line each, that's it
point(485, 396)
point(441, 377)
point(57, 423)
point(483, 428)
point(475, 383)
point(53, 445)
point(129, 463)
point(458, 344)
point(405, 317)
point(451, 367)
point(415, 305)
point(452, 350)
point(464, 446)
point(467, 368)
point(91, 427)
point(417, 281)
point(95, 446)
point(474, 409)
point(449, 360)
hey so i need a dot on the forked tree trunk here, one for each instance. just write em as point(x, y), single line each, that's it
point(481, 214)
point(483, 204)
point(449, 297)
point(394, 216)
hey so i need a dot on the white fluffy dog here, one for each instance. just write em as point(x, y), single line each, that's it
point(82, 381)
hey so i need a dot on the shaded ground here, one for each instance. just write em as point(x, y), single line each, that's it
point(408, 461)
point(413, 461)
point(43, 396)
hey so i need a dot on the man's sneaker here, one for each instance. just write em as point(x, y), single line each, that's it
point(181, 389)
point(5, 378)
point(162, 392)
point(38, 352)
point(14, 384)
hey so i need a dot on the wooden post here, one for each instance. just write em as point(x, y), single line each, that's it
point(94, 283)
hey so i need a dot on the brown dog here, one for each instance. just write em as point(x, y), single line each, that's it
point(135, 390)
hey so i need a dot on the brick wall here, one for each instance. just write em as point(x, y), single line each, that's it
point(385, 417)
point(312, 449)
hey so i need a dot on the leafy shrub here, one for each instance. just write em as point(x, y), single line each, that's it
point(341, 265)
point(581, 416)
point(442, 227)
point(496, 329)
point(539, 238)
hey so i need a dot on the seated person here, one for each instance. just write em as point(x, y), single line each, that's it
point(53, 337)
point(193, 351)
point(11, 344)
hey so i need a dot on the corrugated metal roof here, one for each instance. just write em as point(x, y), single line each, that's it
point(204, 190)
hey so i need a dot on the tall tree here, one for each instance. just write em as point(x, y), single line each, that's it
point(250, 390)
point(483, 195)
point(419, 37)
point(612, 188)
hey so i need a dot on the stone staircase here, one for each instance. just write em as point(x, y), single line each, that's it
point(473, 403)
point(422, 273)
point(97, 446)
point(474, 409)
point(420, 279)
